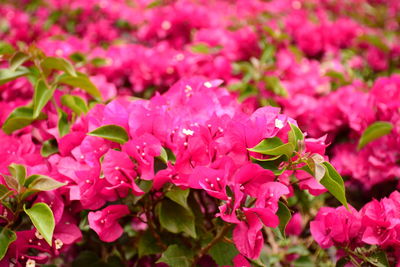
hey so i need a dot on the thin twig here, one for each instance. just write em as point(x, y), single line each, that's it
point(203, 251)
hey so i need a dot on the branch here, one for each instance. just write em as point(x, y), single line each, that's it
point(203, 251)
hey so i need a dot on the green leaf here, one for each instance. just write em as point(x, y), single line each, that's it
point(176, 218)
point(304, 261)
point(4, 192)
point(284, 217)
point(298, 249)
point(379, 259)
point(11, 182)
point(41, 97)
point(31, 179)
point(273, 84)
point(78, 57)
point(223, 253)
point(17, 60)
point(63, 125)
point(179, 196)
point(7, 75)
point(334, 183)
point(163, 155)
point(81, 81)
point(75, 103)
point(99, 61)
point(375, 41)
point(374, 131)
point(315, 163)
point(154, 4)
point(200, 48)
point(18, 171)
point(7, 236)
point(342, 262)
point(274, 147)
point(49, 147)
point(111, 132)
point(6, 48)
point(44, 183)
point(18, 119)
point(58, 63)
point(295, 135)
point(43, 219)
point(177, 256)
point(148, 245)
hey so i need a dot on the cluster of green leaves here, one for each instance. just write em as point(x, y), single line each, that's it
point(293, 152)
point(253, 74)
point(14, 195)
point(47, 74)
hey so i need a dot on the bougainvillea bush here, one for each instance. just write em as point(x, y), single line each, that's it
point(199, 133)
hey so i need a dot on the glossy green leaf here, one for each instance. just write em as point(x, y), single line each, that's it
point(58, 63)
point(43, 219)
point(18, 171)
point(81, 81)
point(111, 132)
point(223, 253)
point(7, 236)
point(267, 144)
point(75, 103)
point(163, 155)
point(11, 182)
point(373, 132)
point(49, 147)
point(334, 183)
point(44, 183)
point(31, 179)
point(284, 217)
point(41, 97)
point(7, 75)
point(295, 135)
point(274, 147)
point(379, 259)
point(18, 119)
point(63, 125)
point(179, 196)
point(176, 218)
point(17, 60)
point(177, 256)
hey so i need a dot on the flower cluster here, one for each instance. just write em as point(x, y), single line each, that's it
point(375, 224)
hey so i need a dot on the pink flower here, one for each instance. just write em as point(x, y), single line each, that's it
point(105, 222)
point(336, 227)
point(248, 237)
point(295, 225)
point(143, 149)
point(119, 171)
point(240, 261)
